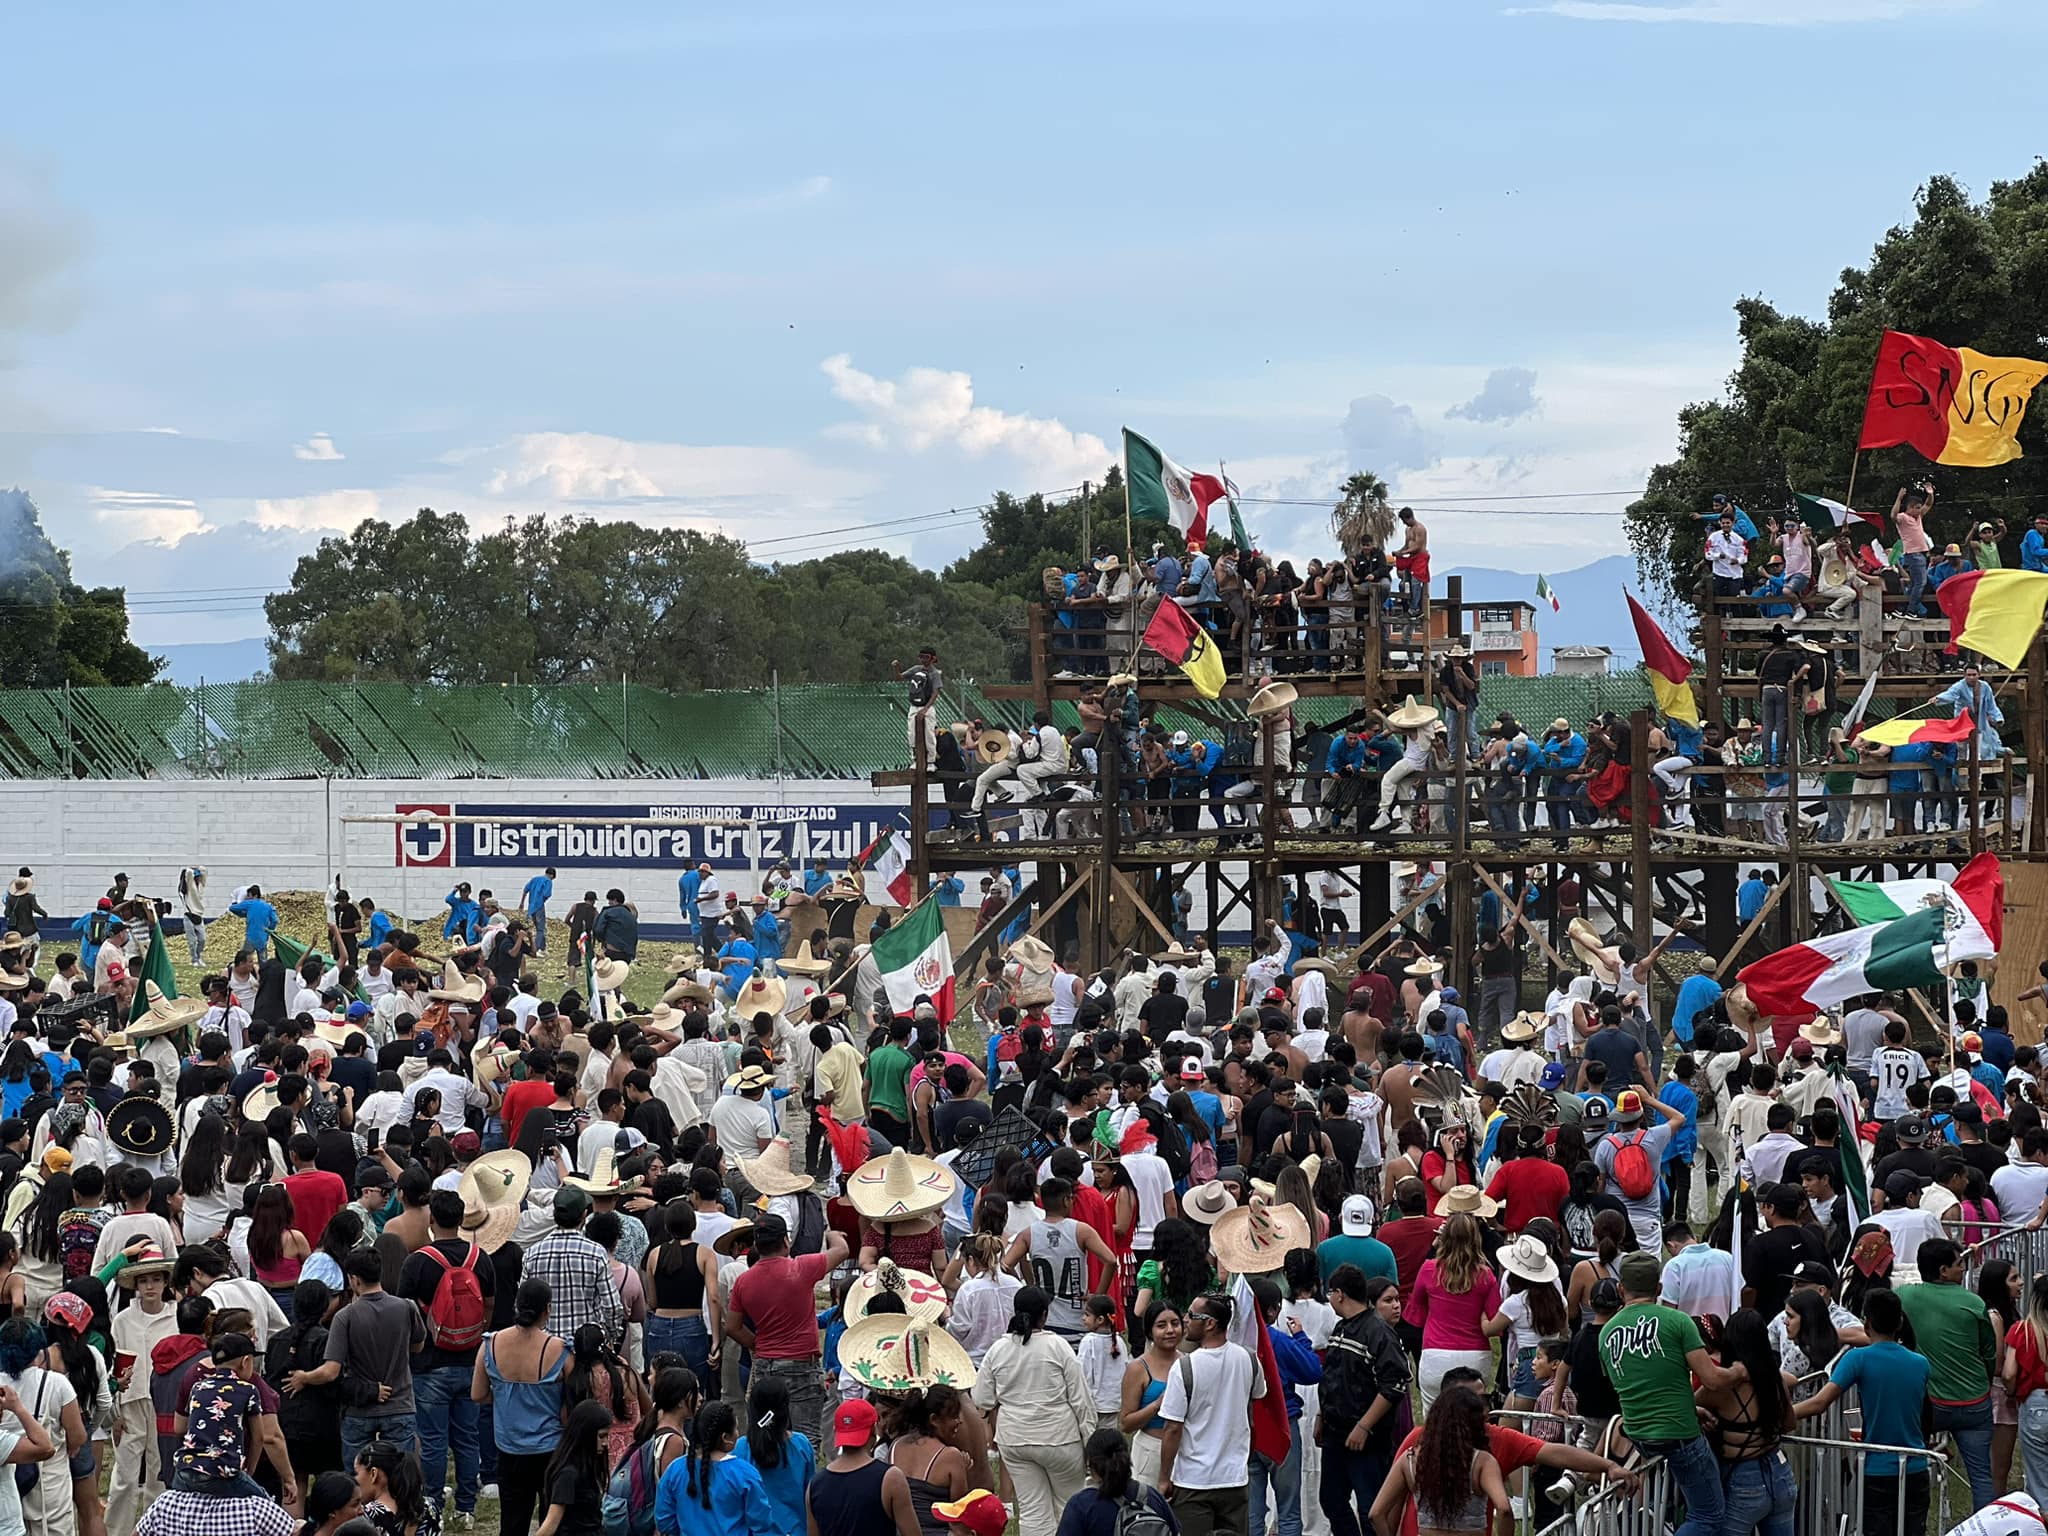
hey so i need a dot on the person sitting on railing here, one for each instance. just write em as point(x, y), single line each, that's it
point(1557, 758)
point(1953, 562)
point(1774, 604)
point(1004, 767)
point(1045, 763)
point(1674, 772)
point(1341, 783)
point(1842, 576)
point(1198, 586)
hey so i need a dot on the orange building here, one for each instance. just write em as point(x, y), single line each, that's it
point(1502, 635)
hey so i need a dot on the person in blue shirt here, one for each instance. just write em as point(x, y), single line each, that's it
point(1679, 1152)
point(1724, 507)
point(1341, 781)
point(1978, 698)
point(949, 889)
point(535, 900)
point(1773, 587)
point(1952, 563)
point(1166, 571)
point(786, 1460)
point(465, 917)
point(686, 893)
point(729, 1497)
point(1750, 896)
point(1688, 744)
point(1891, 1387)
point(1300, 1366)
point(1560, 755)
point(92, 930)
point(2034, 545)
point(817, 878)
point(737, 961)
point(1697, 994)
point(767, 932)
point(259, 917)
point(376, 924)
point(1906, 782)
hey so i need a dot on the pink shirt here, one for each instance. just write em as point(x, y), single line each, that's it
point(953, 1058)
point(1913, 538)
point(1448, 1321)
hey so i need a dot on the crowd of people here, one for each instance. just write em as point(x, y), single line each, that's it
point(1307, 1248)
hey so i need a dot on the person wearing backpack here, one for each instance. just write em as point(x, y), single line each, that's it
point(1115, 1503)
point(451, 1280)
point(1629, 1158)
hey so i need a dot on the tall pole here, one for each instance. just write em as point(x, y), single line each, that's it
point(775, 693)
point(1087, 543)
point(1641, 908)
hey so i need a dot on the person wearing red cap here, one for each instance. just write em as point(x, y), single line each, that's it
point(854, 1494)
point(982, 1513)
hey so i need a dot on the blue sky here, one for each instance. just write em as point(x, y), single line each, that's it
point(269, 269)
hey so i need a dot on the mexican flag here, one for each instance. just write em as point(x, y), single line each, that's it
point(916, 960)
point(1910, 932)
point(889, 857)
point(1162, 491)
point(156, 967)
point(291, 952)
point(1828, 518)
point(1544, 592)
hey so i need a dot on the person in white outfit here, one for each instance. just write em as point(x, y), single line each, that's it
point(1044, 766)
point(1413, 721)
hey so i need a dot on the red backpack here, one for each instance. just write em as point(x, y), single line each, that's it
point(1634, 1174)
point(455, 1317)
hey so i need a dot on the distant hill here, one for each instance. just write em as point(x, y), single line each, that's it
point(1590, 609)
point(226, 661)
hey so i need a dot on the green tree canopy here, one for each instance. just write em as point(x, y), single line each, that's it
point(52, 630)
point(1962, 272)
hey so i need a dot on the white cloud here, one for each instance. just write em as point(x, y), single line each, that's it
point(931, 408)
point(129, 517)
point(1384, 436)
point(161, 431)
point(339, 510)
point(591, 467)
point(318, 449)
point(1509, 394)
point(1753, 13)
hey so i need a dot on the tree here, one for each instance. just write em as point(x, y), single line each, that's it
point(860, 615)
point(1362, 519)
point(1964, 273)
point(55, 631)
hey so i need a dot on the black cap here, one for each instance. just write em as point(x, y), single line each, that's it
point(771, 1229)
point(1901, 1185)
point(1813, 1272)
point(371, 1174)
point(232, 1346)
point(1910, 1129)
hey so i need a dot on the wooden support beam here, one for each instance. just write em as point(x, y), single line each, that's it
point(1075, 886)
point(1763, 913)
point(1122, 884)
point(1534, 932)
point(1641, 909)
point(989, 933)
point(1400, 916)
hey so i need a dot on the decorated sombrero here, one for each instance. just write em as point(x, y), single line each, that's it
point(924, 1299)
point(887, 1353)
point(899, 1187)
point(493, 1189)
point(1255, 1239)
point(141, 1126)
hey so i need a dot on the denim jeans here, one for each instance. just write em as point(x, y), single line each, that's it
point(447, 1418)
point(1760, 1497)
point(1774, 697)
point(2034, 1446)
point(486, 1444)
point(1285, 1478)
point(539, 920)
point(1971, 1425)
point(358, 1430)
point(688, 1337)
point(1696, 1478)
point(1915, 568)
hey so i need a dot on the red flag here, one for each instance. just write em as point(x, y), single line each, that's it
point(1271, 1432)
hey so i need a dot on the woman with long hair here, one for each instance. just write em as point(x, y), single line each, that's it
point(203, 1171)
point(1450, 1474)
point(310, 1417)
point(1179, 1269)
point(1455, 1291)
point(14, 1083)
point(519, 1373)
point(340, 1238)
point(393, 1494)
point(578, 1473)
point(783, 1457)
point(721, 1494)
point(542, 1145)
point(331, 1502)
point(1411, 1143)
point(68, 1324)
point(1180, 1108)
point(983, 1303)
point(1047, 1412)
point(1998, 1287)
point(676, 1397)
point(1582, 1208)
point(1114, 1481)
point(277, 1249)
point(40, 1228)
point(1293, 1188)
point(2025, 1376)
point(47, 1395)
point(1161, 1327)
point(1751, 1416)
point(1531, 1312)
point(1811, 1342)
point(1610, 1233)
point(595, 1371)
point(923, 1435)
point(682, 1289)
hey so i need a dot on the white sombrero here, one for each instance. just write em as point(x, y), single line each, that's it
point(899, 1187)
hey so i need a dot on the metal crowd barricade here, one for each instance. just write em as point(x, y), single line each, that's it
point(2024, 1245)
point(1833, 1484)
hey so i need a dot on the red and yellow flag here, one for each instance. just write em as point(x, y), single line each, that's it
point(1994, 612)
point(1953, 405)
point(1177, 637)
point(1900, 730)
point(1668, 670)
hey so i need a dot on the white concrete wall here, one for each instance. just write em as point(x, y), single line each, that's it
point(289, 834)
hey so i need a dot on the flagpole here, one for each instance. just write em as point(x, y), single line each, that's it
point(1854, 464)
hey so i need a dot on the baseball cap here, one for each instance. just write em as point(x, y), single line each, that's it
point(1801, 1050)
point(980, 1511)
point(465, 1144)
point(1357, 1216)
point(1813, 1272)
point(371, 1174)
point(1448, 994)
point(1640, 1273)
point(1553, 1075)
point(1276, 994)
point(1910, 1129)
point(1902, 1184)
point(1628, 1105)
point(1191, 1071)
point(570, 1201)
point(106, 904)
point(853, 1423)
point(232, 1346)
point(359, 1010)
point(771, 1227)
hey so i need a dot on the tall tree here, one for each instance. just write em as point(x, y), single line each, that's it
point(1363, 518)
point(52, 630)
point(1962, 272)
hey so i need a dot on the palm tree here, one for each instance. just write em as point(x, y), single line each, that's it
point(1362, 518)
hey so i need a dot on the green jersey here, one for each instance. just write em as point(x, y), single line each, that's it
point(888, 1071)
point(1643, 1351)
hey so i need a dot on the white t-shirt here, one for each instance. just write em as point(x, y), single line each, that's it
point(304, 1000)
point(380, 1111)
point(1103, 1359)
point(1152, 1180)
point(1909, 1227)
point(2019, 1189)
point(523, 1007)
point(744, 1125)
point(1523, 1333)
point(1896, 1069)
point(1215, 1442)
point(711, 1226)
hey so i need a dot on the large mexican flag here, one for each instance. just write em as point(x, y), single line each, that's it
point(916, 960)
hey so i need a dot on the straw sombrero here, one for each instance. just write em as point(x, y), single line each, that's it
point(1318, 964)
point(457, 988)
point(604, 1177)
point(992, 747)
point(1586, 943)
point(492, 1062)
point(165, 1013)
point(761, 994)
point(803, 965)
point(1523, 1026)
point(493, 1190)
point(691, 991)
point(1271, 699)
point(730, 1239)
point(750, 1077)
point(774, 1172)
point(1466, 1200)
point(335, 1032)
point(153, 1261)
point(899, 1187)
point(1424, 967)
point(886, 1353)
point(141, 1126)
point(1255, 1239)
point(258, 1102)
point(924, 1299)
point(1031, 951)
point(1413, 715)
point(610, 975)
point(685, 959)
point(1821, 1032)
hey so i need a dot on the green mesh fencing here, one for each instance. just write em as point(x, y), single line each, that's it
point(267, 730)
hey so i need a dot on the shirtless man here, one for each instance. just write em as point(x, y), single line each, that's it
point(1412, 561)
point(1397, 1083)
